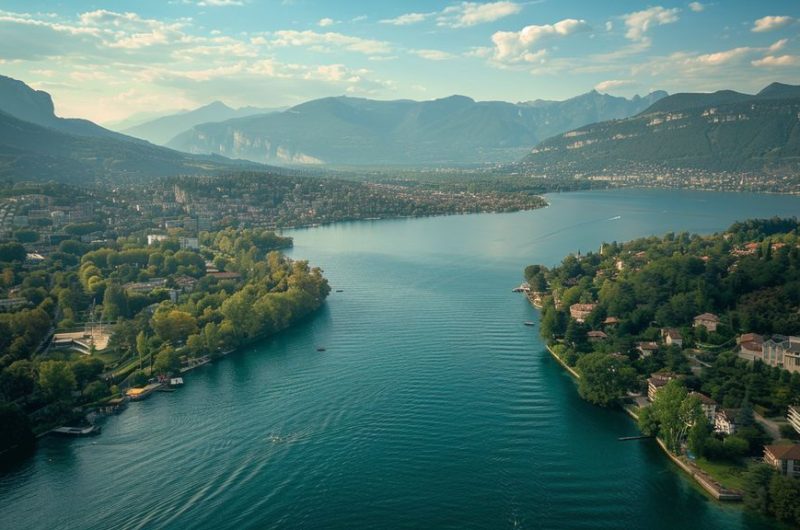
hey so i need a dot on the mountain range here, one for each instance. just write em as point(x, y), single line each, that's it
point(37, 144)
point(456, 130)
point(163, 129)
point(720, 131)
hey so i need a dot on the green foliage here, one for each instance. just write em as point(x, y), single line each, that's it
point(675, 412)
point(167, 362)
point(12, 252)
point(56, 380)
point(16, 434)
point(604, 378)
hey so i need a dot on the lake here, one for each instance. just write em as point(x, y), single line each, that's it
point(432, 406)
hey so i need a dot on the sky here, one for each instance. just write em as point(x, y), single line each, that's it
point(108, 60)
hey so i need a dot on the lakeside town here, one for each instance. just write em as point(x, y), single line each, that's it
point(719, 389)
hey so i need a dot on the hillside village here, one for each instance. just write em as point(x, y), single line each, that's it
point(696, 337)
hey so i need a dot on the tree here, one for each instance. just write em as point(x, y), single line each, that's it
point(648, 423)
point(174, 325)
point(12, 252)
point(167, 362)
point(142, 347)
point(676, 413)
point(115, 302)
point(756, 487)
point(95, 391)
point(784, 494)
point(698, 437)
point(604, 378)
point(16, 434)
point(56, 380)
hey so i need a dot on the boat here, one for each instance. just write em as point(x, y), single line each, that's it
point(320, 349)
point(339, 290)
point(529, 323)
point(176, 381)
point(91, 430)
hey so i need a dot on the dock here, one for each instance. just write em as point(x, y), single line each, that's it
point(140, 393)
point(91, 430)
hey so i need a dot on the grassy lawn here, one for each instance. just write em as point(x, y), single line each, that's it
point(726, 473)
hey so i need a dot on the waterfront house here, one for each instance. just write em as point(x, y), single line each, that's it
point(725, 421)
point(646, 349)
point(793, 416)
point(708, 405)
point(580, 312)
point(672, 337)
point(709, 321)
point(784, 458)
point(656, 381)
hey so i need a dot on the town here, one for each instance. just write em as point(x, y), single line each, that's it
point(696, 338)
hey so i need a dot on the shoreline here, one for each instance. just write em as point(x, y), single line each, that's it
point(706, 483)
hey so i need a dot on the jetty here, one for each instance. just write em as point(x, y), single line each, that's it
point(140, 393)
point(90, 430)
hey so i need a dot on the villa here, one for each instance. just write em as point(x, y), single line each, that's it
point(784, 458)
point(580, 311)
point(709, 321)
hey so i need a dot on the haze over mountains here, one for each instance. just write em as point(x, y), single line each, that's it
point(451, 131)
point(163, 129)
point(721, 131)
point(37, 144)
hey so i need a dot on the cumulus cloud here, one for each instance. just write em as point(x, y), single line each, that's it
point(220, 3)
point(433, 55)
point(778, 45)
point(780, 60)
point(697, 7)
point(611, 84)
point(325, 22)
point(461, 15)
point(407, 19)
point(771, 23)
point(468, 14)
point(323, 41)
point(519, 46)
point(640, 22)
point(723, 57)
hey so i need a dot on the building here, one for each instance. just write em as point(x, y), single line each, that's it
point(646, 349)
point(580, 312)
point(791, 355)
point(709, 321)
point(657, 381)
point(224, 275)
point(708, 405)
point(152, 239)
point(725, 421)
point(793, 416)
point(751, 346)
point(672, 337)
point(784, 458)
point(596, 336)
point(145, 287)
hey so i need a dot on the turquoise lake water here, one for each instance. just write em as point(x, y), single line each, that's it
point(433, 406)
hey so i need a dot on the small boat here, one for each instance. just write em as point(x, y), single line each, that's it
point(176, 381)
point(320, 349)
point(529, 323)
point(339, 290)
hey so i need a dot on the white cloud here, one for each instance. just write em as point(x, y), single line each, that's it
point(433, 55)
point(220, 3)
point(609, 25)
point(771, 23)
point(640, 22)
point(778, 45)
point(697, 7)
point(518, 46)
point(611, 84)
point(407, 19)
point(723, 57)
point(781, 60)
point(323, 41)
point(468, 14)
point(325, 22)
